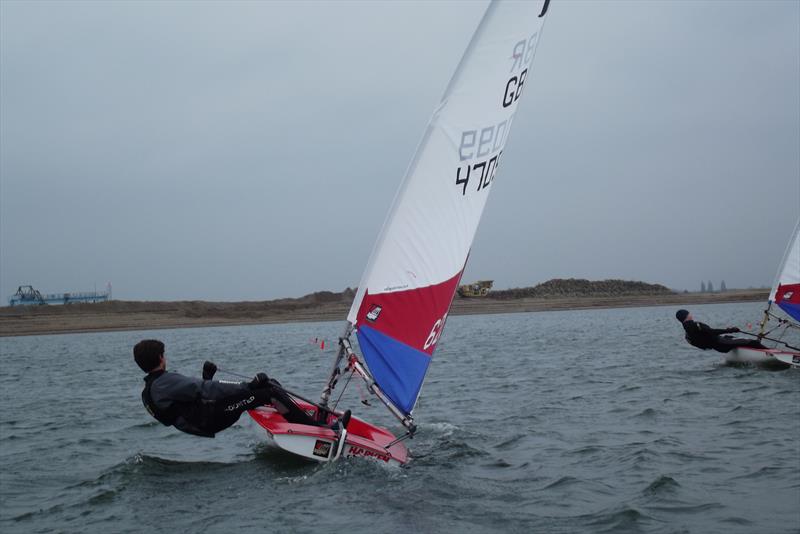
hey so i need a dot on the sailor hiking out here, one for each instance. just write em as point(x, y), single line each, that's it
point(203, 406)
point(704, 337)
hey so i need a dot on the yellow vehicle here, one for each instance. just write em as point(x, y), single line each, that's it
point(476, 289)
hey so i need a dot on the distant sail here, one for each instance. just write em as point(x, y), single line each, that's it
point(404, 296)
point(786, 290)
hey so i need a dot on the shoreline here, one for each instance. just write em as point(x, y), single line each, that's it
point(118, 316)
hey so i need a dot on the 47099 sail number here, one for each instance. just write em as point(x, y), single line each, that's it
point(483, 172)
point(480, 144)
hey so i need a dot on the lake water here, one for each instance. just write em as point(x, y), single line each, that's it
point(564, 422)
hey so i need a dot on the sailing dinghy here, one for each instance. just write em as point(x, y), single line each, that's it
point(402, 302)
point(785, 296)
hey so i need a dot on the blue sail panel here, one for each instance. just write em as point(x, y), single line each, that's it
point(397, 368)
point(791, 309)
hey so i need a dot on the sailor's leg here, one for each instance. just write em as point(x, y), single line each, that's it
point(727, 343)
point(752, 343)
point(224, 412)
point(290, 410)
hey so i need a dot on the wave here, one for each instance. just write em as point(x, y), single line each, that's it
point(685, 457)
point(445, 443)
point(689, 508)
point(663, 485)
point(562, 482)
point(763, 472)
point(440, 428)
point(586, 450)
point(623, 518)
point(626, 388)
point(510, 442)
point(144, 465)
point(737, 521)
point(498, 463)
point(647, 413)
point(290, 469)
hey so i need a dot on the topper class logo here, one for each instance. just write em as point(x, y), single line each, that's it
point(374, 312)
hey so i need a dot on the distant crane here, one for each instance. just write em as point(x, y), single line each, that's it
point(27, 295)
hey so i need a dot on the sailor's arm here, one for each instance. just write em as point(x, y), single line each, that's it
point(215, 390)
point(716, 331)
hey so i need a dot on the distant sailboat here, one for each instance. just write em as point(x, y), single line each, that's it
point(785, 295)
point(401, 306)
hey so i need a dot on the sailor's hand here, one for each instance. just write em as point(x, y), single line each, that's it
point(733, 330)
point(209, 369)
point(261, 381)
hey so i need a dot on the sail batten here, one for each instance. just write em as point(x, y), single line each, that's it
point(402, 302)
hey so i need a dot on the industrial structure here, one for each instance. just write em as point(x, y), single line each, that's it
point(476, 289)
point(27, 295)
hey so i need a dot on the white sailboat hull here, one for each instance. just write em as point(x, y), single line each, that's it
point(321, 444)
point(762, 357)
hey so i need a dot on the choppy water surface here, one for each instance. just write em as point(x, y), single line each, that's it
point(583, 421)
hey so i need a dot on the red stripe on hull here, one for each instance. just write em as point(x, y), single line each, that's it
point(414, 317)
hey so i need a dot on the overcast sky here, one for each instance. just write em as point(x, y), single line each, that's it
point(250, 150)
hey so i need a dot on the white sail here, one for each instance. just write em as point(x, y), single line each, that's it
point(405, 293)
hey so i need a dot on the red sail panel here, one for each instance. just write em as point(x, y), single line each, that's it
point(414, 317)
point(788, 298)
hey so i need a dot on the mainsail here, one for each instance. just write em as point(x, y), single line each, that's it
point(786, 289)
point(404, 296)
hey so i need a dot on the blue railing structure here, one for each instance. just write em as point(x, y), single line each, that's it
point(27, 295)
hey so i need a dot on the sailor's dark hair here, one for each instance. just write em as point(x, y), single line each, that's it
point(147, 354)
point(681, 315)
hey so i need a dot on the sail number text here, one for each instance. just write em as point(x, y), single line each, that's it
point(436, 333)
point(487, 170)
point(521, 57)
point(486, 146)
point(480, 148)
point(514, 89)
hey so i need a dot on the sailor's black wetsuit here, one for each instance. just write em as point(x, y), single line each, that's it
point(704, 337)
point(196, 406)
point(205, 407)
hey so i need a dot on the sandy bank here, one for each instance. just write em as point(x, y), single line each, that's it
point(129, 315)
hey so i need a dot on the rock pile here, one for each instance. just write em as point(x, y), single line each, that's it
point(578, 287)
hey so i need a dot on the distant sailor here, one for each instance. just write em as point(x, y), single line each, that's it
point(704, 337)
point(203, 407)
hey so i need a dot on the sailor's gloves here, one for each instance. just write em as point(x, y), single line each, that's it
point(261, 381)
point(209, 369)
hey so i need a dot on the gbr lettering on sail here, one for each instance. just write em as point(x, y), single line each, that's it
point(480, 149)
